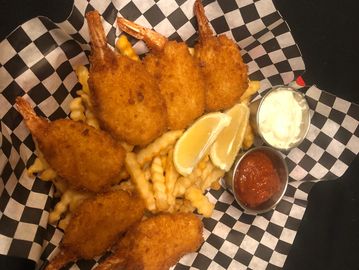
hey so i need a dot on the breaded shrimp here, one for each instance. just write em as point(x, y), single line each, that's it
point(84, 156)
point(177, 73)
point(221, 64)
point(156, 243)
point(126, 98)
point(97, 224)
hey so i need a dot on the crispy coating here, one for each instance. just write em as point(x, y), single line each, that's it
point(85, 157)
point(180, 81)
point(224, 71)
point(177, 74)
point(157, 243)
point(222, 66)
point(96, 224)
point(126, 98)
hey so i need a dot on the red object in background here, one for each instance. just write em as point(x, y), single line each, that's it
point(300, 81)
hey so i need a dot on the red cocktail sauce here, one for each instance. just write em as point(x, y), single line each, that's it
point(256, 180)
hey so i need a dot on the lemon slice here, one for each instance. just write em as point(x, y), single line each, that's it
point(224, 150)
point(196, 141)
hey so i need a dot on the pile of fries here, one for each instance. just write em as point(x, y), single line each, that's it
point(153, 173)
point(149, 170)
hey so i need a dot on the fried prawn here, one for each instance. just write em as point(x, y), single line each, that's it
point(126, 98)
point(221, 63)
point(84, 156)
point(96, 224)
point(157, 243)
point(177, 74)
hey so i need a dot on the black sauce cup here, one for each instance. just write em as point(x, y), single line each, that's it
point(281, 167)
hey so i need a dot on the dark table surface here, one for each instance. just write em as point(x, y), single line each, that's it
point(327, 33)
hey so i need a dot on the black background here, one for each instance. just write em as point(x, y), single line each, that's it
point(327, 32)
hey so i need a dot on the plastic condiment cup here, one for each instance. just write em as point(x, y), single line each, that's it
point(256, 106)
point(280, 166)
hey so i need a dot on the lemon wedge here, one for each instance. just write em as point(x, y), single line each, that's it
point(196, 141)
point(225, 149)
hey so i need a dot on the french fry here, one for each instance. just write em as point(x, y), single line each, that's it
point(191, 51)
point(216, 185)
point(125, 48)
point(159, 187)
point(77, 197)
point(253, 87)
point(77, 111)
point(63, 223)
point(163, 160)
point(36, 167)
point(248, 139)
point(127, 147)
point(213, 177)
point(195, 176)
point(147, 154)
point(42, 168)
point(77, 116)
point(199, 201)
point(177, 206)
point(91, 120)
point(182, 184)
point(85, 98)
point(61, 207)
point(74, 199)
point(142, 185)
point(203, 163)
point(83, 75)
point(76, 104)
point(184, 206)
point(123, 174)
point(47, 174)
point(171, 176)
point(207, 170)
point(81, 107)
point(187, 207)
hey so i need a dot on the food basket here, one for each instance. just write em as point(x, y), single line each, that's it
point(38, 60)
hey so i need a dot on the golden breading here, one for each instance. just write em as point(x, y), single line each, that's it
point(181, 83)
point(177, 74)
point(222, 66)
point(224, 72)
point(85, 157)
point(126, 99)
point(98, 222)
point(157, 243)
point(96, 225)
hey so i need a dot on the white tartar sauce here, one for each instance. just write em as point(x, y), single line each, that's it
point(280, 118)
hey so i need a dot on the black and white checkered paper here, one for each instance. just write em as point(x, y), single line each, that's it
point(38, 59)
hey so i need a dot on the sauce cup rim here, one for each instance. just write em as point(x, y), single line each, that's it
point(276, 152)
point(307, 120)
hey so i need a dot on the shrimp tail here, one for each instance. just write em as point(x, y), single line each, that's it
point(25, 109)
point(97, 33)
point(204, 28)
point(101, 54)
point(35, 123)
point(153, 39)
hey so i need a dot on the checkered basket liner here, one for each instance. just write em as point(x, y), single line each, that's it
point(37, 60)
